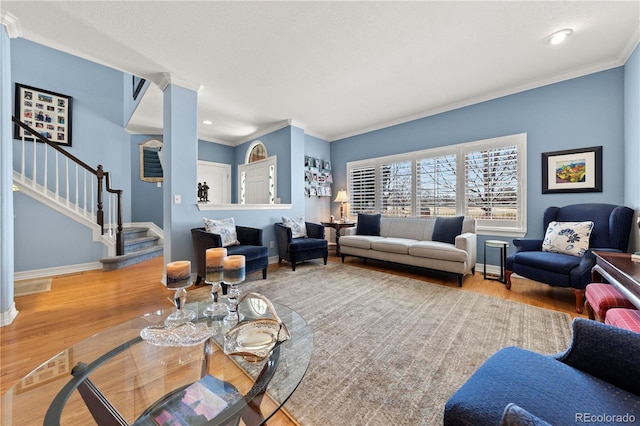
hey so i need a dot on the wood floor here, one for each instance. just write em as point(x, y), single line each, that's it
point(80, 305)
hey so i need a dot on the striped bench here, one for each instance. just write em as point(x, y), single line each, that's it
point(629, 319)
point(602, 297)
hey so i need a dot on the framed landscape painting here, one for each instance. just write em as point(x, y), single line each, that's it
point(574, 170)
point(49, 113)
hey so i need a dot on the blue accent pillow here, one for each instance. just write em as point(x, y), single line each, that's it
point(447, 229)
point(368, 224)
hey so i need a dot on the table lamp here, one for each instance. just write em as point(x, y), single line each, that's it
point(342, 198)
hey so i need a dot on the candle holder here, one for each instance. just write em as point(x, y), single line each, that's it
point(233, 274)
point(214, 266)
point(178, 278)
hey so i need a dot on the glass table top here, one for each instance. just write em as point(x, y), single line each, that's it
point(133, 374)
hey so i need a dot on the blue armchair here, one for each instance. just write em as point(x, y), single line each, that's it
point(297, 250)
point(611, 230)
point(596, 376)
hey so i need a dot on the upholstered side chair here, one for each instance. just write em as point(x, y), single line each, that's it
point(610, 232)
point(256, 255)
point(297, 250)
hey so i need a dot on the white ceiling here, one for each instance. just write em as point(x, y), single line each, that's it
point(336, 68)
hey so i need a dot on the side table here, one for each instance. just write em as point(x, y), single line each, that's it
point(502, 245)
point(338, 226)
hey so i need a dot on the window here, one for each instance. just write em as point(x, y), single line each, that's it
point(482, 179)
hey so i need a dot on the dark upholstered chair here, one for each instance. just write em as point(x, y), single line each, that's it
point(297, 250)
point(256, 255)
point(612, 226)
point(597, 375)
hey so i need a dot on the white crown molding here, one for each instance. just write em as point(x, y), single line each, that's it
point(632, 42)
point(264, 131)
point(534, 84)
point(11, 23)
point(162, 80)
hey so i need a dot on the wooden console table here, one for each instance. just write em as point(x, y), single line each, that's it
point(619, 270)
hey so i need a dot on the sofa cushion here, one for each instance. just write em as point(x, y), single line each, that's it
point(393, 245)
point(249, 252)
point(297, 225)
point(437, 250)
point(567, 237)
point(359, 241)
point(368, 224)
point(447, 229)
point(299, 244)
point(226, 228)
point(547, 261)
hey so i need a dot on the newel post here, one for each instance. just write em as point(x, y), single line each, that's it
point(100, 213)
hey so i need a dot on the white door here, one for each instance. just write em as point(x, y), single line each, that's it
point(218, 179)
point(257, 182)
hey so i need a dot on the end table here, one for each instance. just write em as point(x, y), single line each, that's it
point(502, 245)
point(338, 226)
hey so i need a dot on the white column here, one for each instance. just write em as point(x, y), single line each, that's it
point(8, 310)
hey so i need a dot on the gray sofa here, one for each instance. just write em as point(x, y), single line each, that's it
point(409, 241)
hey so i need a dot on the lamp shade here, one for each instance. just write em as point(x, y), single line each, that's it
point(342, 197)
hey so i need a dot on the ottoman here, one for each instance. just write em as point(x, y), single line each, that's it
point(602, 297)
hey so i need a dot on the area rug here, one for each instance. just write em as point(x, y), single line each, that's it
point(38, 285)
point(391, 350)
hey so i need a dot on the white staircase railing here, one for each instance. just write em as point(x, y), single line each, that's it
point(58, 179)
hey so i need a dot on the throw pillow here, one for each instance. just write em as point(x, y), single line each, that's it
point(568, 237)
point(368, 224)
point(297, 225)
point(446, 229)
point(226, 228)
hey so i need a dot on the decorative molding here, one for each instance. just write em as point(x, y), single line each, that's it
point(11, 23)
point(533, 84)
point(210, 207)
point(7, 317)
point(162, 80)
point(265, 131)
point(56, 270)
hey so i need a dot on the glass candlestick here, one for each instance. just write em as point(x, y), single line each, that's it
point(178, 278)
point(233, 274)
point(213, 276)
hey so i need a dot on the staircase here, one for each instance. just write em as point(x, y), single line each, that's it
point(49, 174)
point(140, 244)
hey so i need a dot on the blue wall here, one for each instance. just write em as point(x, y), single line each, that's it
point(632, 137)
point(577, 113)
point(598, 109)
point(44, 240)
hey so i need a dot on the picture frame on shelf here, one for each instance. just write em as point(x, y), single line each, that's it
point(49, 113)
point(572, 171)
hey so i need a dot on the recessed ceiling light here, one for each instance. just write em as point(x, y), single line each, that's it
point(559, 36)
point(206, 122)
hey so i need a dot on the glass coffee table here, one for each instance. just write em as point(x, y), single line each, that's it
point(125, 379)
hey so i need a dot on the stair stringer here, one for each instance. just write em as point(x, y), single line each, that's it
point(61, 205)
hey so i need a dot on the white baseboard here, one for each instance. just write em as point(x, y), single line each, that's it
point(56, 270)
point(7, 318)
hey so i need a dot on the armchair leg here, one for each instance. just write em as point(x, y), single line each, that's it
point(508, 279)
point(579, 299)
point(325, 260)
point(264, 274)
point(293, 266)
